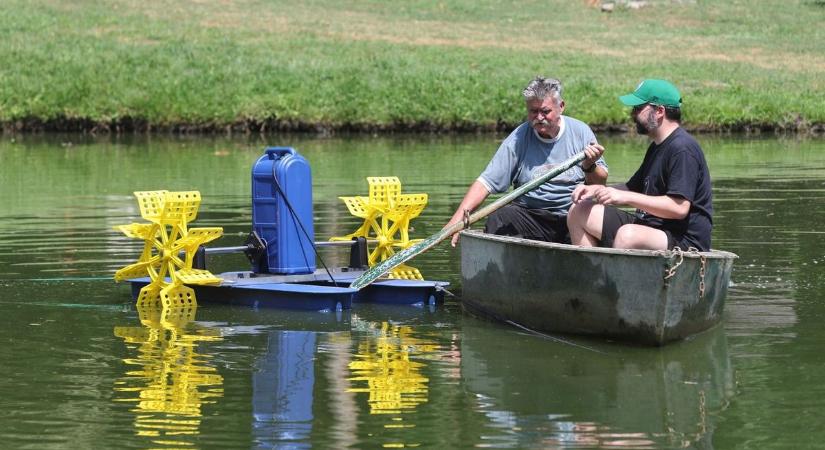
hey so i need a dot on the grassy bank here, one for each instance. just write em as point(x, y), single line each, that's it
point(426, 64)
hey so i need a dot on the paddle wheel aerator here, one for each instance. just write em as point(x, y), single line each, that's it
point(387, 214)
point(166, 237)
point(281, 246)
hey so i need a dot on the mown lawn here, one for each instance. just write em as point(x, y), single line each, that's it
point(424, 64)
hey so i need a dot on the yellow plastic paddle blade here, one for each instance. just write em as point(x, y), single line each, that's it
point(405, 272)
point(384, 191)
point(408, 206)
point(204, 234)
point(151, 204)
point(196, 237)
point(135, 270)
point(357, 206)
point(142, 231)
point(180, 208)
point(196, 276)
point(177, 296)
point(149, 296)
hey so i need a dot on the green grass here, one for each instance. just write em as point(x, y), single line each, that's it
point(423, 64)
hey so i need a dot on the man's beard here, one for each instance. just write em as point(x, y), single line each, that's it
point(648, 125)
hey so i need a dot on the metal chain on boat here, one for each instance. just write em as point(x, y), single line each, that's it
point(701, 276)
point(678, 253)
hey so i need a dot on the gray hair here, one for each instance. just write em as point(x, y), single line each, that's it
point(540, 88)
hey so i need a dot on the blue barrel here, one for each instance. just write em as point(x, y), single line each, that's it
point(282, 178)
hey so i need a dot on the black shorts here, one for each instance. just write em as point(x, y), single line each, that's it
point(614, 218)
point(536, 224)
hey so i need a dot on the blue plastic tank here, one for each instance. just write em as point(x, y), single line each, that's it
point(282, 178)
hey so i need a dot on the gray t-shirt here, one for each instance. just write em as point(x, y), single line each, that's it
point(524, 155)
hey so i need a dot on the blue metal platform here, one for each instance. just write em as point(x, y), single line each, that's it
point(313, 292)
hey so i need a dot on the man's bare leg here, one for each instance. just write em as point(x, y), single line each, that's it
point(584, 220)
point(639, 237)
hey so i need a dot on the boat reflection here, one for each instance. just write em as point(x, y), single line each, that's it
point(169, 381)
point(538, 393)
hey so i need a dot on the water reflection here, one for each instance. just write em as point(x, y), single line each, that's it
point(336, 371)
point(297, 363)
point(393, 380)
point(535, 393)
point(282, 390)
point(394, 357)
point(170, 381)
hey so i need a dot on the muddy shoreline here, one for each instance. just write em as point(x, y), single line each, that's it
point(252, 126)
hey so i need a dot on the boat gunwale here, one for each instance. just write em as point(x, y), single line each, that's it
point(712, 254)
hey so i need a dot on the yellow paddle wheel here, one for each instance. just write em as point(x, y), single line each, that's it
point(387, 214)
point(169, 248)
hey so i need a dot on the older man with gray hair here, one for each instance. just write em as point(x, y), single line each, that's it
point(536, 146)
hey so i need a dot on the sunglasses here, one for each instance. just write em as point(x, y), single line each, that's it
point(638, 108)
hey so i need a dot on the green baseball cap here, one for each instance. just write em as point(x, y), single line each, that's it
point(659, 92)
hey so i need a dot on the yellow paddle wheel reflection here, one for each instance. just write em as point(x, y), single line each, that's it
point(386, 368)
point(169, 381)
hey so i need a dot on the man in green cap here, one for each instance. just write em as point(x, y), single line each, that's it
point(671, 191)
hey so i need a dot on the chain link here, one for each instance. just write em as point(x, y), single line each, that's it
point(678, 253)
point(702, 277)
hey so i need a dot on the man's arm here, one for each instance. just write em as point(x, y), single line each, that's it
point(598, 175)
point(586, 191)
point(474, 196)
point(664, 206)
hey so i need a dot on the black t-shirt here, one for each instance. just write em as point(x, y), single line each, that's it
point(677, 167)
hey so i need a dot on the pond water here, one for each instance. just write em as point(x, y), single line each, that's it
point(84, 368)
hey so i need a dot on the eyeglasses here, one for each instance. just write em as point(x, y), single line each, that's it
point(639, 108)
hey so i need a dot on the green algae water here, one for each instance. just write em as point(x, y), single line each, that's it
point(84, 368)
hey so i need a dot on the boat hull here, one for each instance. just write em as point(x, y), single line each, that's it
point(621, 294)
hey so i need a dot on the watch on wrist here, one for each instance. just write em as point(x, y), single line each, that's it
point(589, 169)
